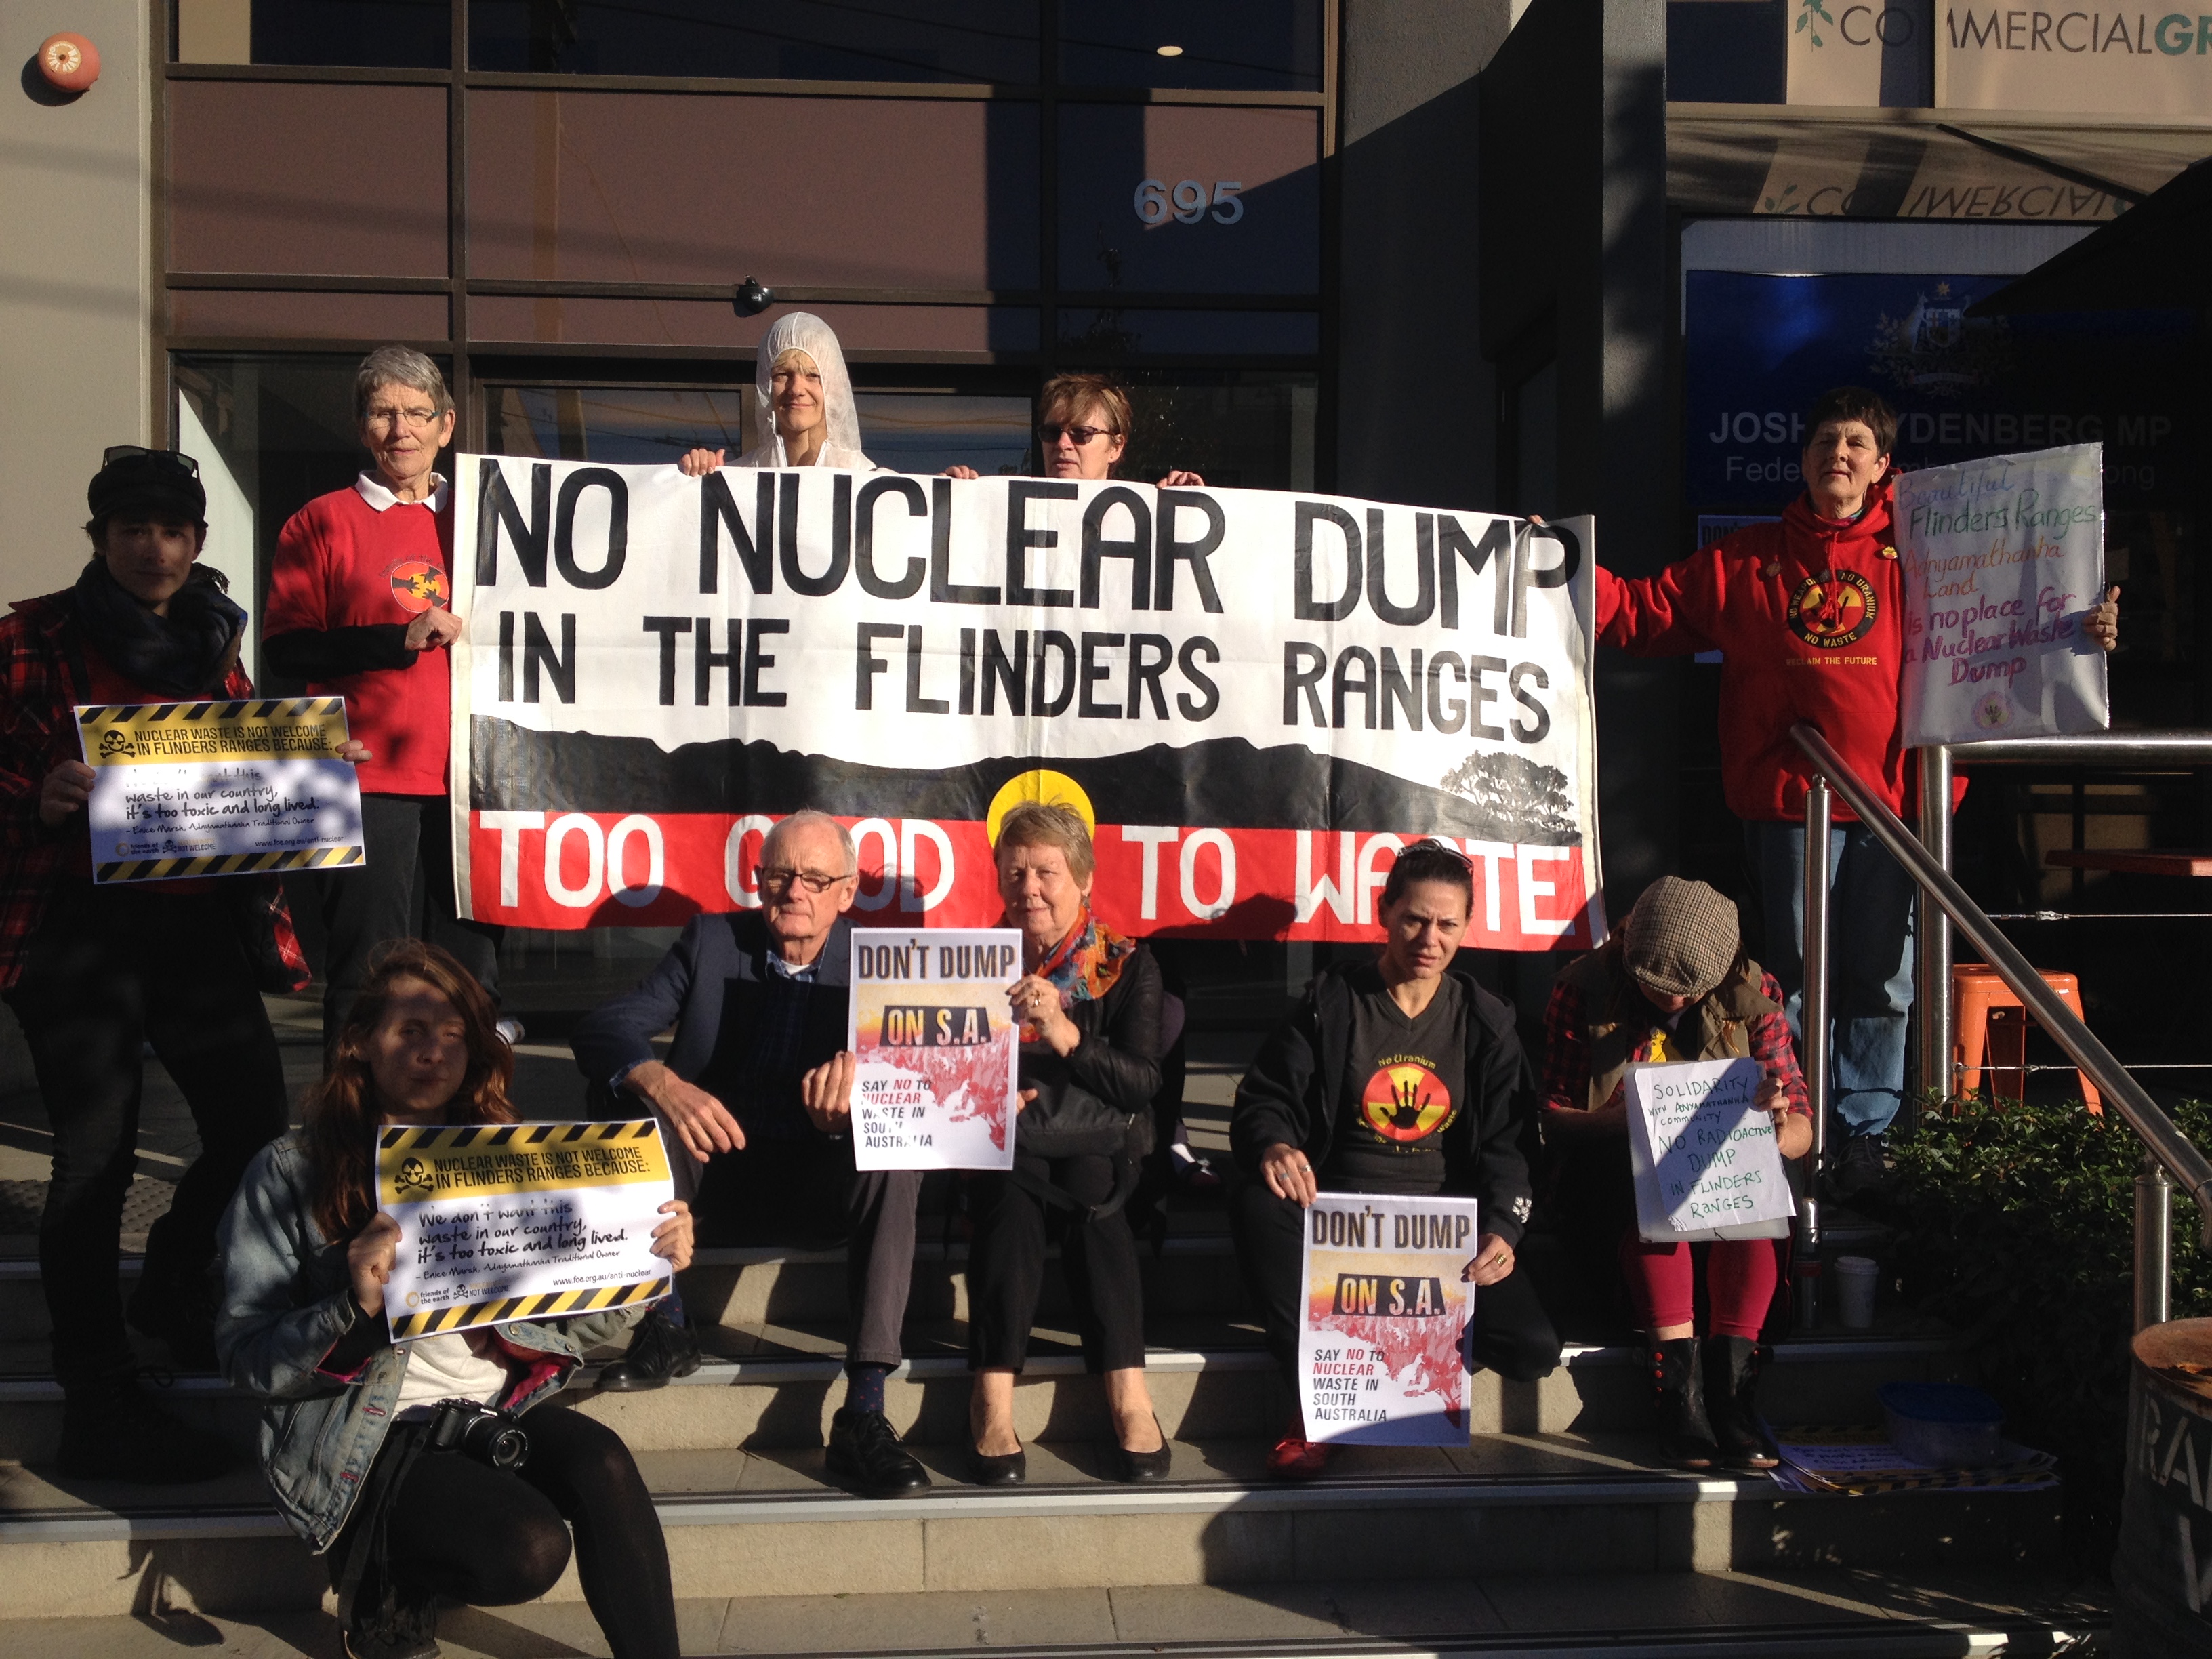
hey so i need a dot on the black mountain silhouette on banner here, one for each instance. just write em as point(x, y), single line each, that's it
point(1224, 781)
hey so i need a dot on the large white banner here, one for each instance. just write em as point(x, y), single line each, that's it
point(1257, 697)
point(2003, 559)
point(2145, 61)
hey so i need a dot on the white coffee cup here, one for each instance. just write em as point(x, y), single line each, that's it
point(1855, 1281)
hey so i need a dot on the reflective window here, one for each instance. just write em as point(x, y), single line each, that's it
point(348, 33)
point(632, 426)
point(993, 40)
point(1730, 52)
point(1243, 45)
point(929, 431)
point(1238, 428)
point(271, 433)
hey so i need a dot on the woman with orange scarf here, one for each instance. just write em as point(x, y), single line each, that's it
point(1089, 1007)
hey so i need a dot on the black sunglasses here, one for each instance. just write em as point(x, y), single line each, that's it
point(173, 460)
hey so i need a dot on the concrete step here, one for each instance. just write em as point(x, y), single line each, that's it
point(747, 1524)
point(1738, 1614)
point(784, 1397)
point(1189, 1272)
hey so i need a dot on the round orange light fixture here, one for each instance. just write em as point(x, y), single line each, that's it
point(1168, 52)
point(69, 61)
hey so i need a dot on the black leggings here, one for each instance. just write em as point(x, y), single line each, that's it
point(109, 969)
point(490, 1538)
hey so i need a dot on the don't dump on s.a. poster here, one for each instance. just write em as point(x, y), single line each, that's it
point(1383, 1346)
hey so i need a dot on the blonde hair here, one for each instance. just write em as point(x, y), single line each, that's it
point(1049, 823)
point(1068, 398)
point(792, 357)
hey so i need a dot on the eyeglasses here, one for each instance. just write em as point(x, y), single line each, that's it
point(173, 460)
point(1078, 435)
point(777, 879)
point(383, 415)
point(1431, 847)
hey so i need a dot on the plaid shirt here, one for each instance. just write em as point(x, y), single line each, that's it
point(1566, 1056)
point(41, 679)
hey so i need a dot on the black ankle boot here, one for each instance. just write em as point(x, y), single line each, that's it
point(112, 1430)
point(1732, 1367)
point(1685, 1439)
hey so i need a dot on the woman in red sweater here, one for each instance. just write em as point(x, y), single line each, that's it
point(1807, 614)
point(357, 609)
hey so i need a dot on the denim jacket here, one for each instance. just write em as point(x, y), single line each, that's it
point(288, 1298)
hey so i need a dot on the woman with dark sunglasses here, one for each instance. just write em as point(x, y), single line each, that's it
point(1083, 423)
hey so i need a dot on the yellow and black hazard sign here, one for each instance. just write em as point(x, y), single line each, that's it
point(559, 1304)
point(501, 1160)
point(164, 733)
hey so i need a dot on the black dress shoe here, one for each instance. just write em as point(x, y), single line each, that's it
point(660, 1350)
point(1008, 1471)
point(1140, 1468)
point(865, 1452)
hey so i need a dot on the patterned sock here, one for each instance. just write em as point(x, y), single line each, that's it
point(864, 1386)
point(671, 1306)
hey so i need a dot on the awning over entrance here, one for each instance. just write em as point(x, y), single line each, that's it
point(2158, 257)
point(1766, 159)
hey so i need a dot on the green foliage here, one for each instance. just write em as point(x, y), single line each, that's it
point(2017, 1226)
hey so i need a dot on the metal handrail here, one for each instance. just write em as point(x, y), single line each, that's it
point(2172, 1149)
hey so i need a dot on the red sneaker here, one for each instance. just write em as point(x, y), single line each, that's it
point(1297, 1459)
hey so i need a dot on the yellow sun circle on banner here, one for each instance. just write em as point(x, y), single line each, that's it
point(1054, 788)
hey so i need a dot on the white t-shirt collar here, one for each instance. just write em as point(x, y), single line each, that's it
point(378, 493)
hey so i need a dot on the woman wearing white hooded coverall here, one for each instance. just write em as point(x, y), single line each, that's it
point(804, 398)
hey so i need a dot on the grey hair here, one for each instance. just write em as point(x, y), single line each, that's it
point(399, 365)
point(806, 815)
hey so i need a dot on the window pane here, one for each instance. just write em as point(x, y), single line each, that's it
point(271, 433)
point(1251, 46)
point(1236, 429)
point(1728, 51)
point(347, 34)
point(929, 431)
point(993, 40)
point(632, 426)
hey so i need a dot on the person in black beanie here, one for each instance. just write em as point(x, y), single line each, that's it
point(95, 972)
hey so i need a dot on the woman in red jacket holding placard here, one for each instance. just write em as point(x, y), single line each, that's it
point(1807, 614)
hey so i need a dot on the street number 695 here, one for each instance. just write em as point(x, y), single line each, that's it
point(1188, 202)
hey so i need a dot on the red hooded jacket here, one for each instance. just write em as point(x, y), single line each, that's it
point(1807, 615)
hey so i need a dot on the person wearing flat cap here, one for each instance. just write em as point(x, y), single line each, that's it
point(1674, 984)
point(96, 973)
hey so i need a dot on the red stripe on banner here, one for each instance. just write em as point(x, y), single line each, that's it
point(573, 870)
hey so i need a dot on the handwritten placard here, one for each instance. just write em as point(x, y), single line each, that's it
point(1383, 1342)
point(1705, 1156)
point(2002, 559)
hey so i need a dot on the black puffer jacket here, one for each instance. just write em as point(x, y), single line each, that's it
point(1290, 1096)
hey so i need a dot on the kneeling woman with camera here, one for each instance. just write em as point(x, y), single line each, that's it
point(429, 1470)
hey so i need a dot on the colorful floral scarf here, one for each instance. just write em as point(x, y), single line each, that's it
point(1083, 966)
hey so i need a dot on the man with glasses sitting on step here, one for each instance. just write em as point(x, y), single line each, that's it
point(758, 1086)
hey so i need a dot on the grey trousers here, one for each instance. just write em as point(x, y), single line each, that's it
point(806, 1192)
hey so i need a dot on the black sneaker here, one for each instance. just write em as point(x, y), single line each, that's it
point(1861, 1166)
point(111, 1431)
point(406, 1630)
point(865, 1451)
point(659, 1351)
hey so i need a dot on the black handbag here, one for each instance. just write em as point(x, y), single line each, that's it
point(1066, 1120)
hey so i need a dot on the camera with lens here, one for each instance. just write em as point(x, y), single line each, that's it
point(492, 1436)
